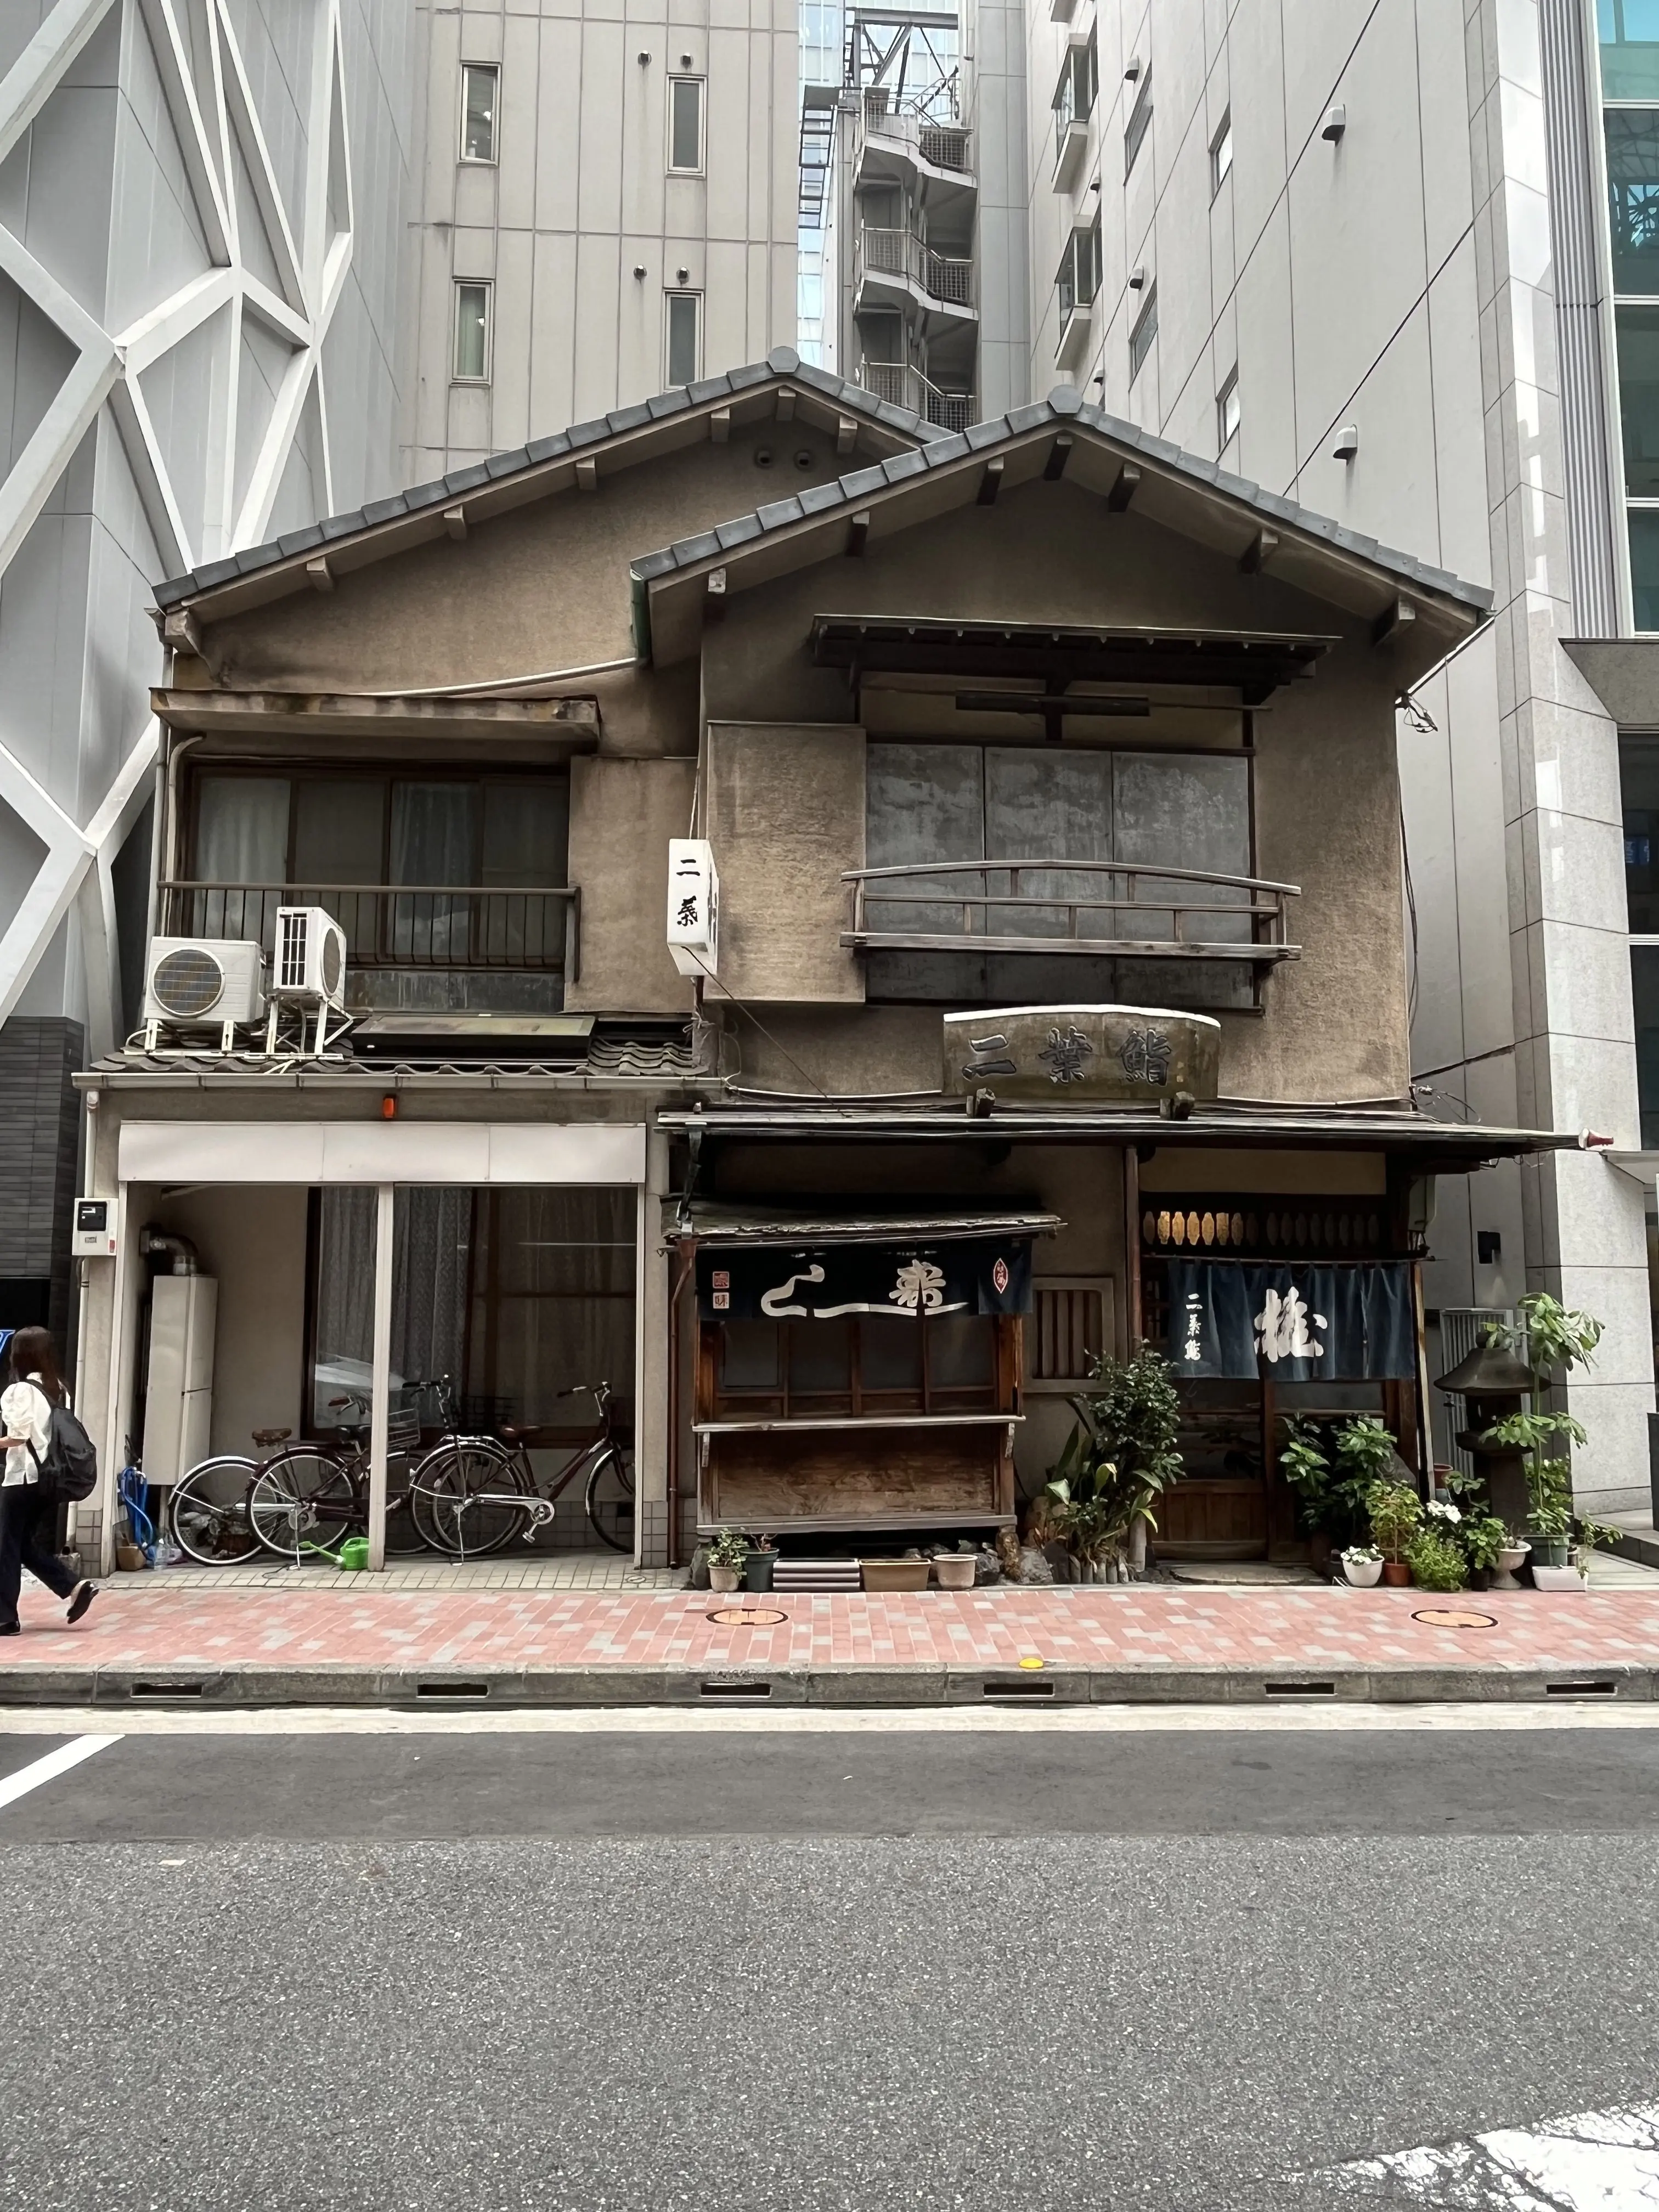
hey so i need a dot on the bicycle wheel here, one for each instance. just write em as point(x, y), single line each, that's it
point(610, 1500)
point(302, 1503)
point(207, 1512)
point(405, 1536)
point(464, 1497)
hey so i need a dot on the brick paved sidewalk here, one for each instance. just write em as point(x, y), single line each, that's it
point(166, 1625)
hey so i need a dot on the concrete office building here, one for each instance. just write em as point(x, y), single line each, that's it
point(263, 263)
point(606, 209)
point(1395, 260)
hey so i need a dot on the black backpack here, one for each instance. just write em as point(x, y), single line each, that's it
point(69, 1469)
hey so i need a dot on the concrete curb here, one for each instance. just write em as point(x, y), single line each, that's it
point(182, 1685)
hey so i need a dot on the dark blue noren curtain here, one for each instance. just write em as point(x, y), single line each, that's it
point(1292, 1324)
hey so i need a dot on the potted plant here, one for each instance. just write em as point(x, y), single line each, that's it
point(1436, 1558)
point(726, 1556)
point(759, 1565)
point(1485, 1540)
point(1587, 1538)
point(1545, 1336)
point(1362, 1566)
point(1396, 1513)
point(1331, 1491)
point(956, 1569)
point(1512, 1555)
point(1117, 1462)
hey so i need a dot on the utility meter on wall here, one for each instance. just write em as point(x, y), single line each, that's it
point(93, 1235)
point(694, 906)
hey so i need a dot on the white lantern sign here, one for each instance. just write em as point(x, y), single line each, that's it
point(694, 906)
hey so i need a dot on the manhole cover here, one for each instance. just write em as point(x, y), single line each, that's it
point(735, 1616)
point(1453, 1616)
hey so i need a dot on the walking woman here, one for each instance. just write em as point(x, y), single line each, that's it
point(27, 1509)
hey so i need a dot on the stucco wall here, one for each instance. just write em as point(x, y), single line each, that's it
point(622, 814)
point(1327, 790)
point(785, 814)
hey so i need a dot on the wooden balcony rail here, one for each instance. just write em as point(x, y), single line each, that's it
point(902, 253)
point(444, 926)
point(1139, 911)
point(901, 385)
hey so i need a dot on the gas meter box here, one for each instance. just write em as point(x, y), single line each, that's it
point(94, 1233)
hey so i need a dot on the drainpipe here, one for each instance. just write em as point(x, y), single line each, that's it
point(689, 1257)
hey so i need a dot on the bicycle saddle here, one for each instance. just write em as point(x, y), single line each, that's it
point(508, 1436)
point(271, 1436)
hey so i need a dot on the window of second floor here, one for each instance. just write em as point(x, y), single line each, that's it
point(1227, 412)
point(1221, 154)
point(321, 830)
point(682, 337)
point(685, 106)
point(1078, 278)
point(1079, 80)
point(481, 86)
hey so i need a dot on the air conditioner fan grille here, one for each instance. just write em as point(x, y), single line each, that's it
point(187, 984)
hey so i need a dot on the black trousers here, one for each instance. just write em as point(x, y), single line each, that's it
point(27, 1513)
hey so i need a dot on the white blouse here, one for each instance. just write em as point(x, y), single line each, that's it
point(25, 1411)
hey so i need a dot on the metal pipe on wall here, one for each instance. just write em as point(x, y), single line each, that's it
point(380, 1402)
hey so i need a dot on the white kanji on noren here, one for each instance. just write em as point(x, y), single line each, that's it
point(920, 1287)
point(1282, 1327)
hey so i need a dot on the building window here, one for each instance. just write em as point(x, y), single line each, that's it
point(472, 320)
point(1629, 34)
point(1078, 278)
point(1145, 330)
point(1141, 116)
point(685, 123)
point(1226, 412)
point(683, 348)
point(1079, 79)
point(481, 84)
point(1221, 154)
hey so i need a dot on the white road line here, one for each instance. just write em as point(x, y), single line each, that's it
point(817, 1720)
point(14, 1786)
point(1591, 2162)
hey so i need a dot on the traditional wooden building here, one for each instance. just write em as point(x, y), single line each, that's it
point(1046, 777)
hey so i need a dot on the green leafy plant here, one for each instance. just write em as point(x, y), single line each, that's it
point(1546, 1335)
point(1365, 1452)
point(1436, 1560)
point(1119, 1460)
point(1482, 1536)
point(1333, 1474)
point(729, 1549)
point(1396, 1514)
point(1307, 1472)
point(1589, 1537)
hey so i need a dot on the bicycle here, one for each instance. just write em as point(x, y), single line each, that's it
point(472, 1495)
point(301, 1500)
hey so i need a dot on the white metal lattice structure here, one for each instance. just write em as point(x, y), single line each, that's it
point(274, 263)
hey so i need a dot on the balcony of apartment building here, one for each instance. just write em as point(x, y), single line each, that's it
point(451, 886)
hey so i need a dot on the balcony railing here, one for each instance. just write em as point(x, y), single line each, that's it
point(1119, 908)
point(941, 145)
point(396, 924)
point(901, 385)
point(901, 253)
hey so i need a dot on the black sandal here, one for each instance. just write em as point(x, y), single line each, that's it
point(80, 1599)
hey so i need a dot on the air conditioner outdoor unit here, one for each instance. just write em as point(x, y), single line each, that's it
point(197, 982)
point(311, 957)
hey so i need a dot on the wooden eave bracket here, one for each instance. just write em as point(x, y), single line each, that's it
point(990, 484)
point(1128, 484)
point(1259, 550)
point(181, 631)
point(455, 522)
point(720, 426)
point(587, 474)
point(319, 574)
point(1058, 453)
point(715, 595)
point(1395, 622)
point(787, 404)
point(858, 532)
point(847, 434)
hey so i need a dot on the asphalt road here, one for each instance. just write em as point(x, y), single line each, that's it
point(1184, 1972)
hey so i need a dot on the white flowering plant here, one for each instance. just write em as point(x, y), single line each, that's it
point(1361, 1555)
point(1440, 1509)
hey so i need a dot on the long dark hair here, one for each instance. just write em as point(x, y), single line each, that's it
point(33, 1352)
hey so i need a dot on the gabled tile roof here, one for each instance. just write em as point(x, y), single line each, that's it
point(783, 363)
point(1063, 406)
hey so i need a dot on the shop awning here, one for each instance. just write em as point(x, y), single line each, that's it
point(1450, 1147)
point(712, 1224)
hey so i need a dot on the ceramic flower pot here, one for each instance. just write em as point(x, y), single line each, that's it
point(895, 1574)
point(1561, 1580)
point(955, 1570)
point(1396, 1574)
point(758, 1570)
point(1503, 1574)
point(724, 1579)
point(1363, 1574)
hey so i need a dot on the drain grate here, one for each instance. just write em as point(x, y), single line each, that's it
point(1018, 1686)
point(452, 1689)
point(167, 1690)
point(1588, 1688)
point(717, 1689)
point(1299, 1689)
